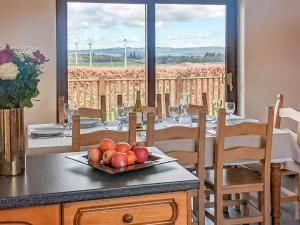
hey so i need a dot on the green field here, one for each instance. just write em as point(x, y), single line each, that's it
point(108, 64)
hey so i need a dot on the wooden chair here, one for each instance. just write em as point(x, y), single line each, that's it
point(186, 158)
point(119, 100)
point(83, 112)
point(192, 108)
point(88, 139)
point(233, 180)
point(291, 168)
point(287, 168)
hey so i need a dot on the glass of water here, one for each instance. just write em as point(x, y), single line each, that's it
point(230, 108)
point(120, 116)
point(174, 111)
point(69, 111)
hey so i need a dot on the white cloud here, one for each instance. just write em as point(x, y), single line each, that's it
point(108, 15)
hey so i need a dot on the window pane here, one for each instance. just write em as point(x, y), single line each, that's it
point(190, 51)
point(106, 53)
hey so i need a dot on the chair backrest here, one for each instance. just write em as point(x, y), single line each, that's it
point(293, 115)
point(278, 106)
point(83, 112)
point(88, 139)
point(241, 153)
point(197, 134)
point(119, 100)
point(192, 108)
point(289, 113)
point(195, 108)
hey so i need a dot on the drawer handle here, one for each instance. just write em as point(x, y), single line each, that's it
point(128, 218)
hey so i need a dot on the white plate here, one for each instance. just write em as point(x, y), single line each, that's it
point(48, 131)
point(88, 123)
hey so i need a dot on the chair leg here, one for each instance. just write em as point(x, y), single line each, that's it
point(266, 207)
point(219, 217)
point(297, 192)
point(226, 208)
point(246, 198)
point(236, 197)
point(201, 205)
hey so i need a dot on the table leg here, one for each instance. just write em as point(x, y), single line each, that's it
point(275, 193)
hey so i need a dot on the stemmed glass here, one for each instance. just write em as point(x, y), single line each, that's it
point(120, 116)
point(69, 111)
point(174, 111)
point(230, 108)
point(184, 108)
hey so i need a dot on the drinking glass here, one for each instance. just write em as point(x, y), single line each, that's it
point(69, 111)
point(120, 116)
point(184, 108)
point(230, 108)
point(174, 111)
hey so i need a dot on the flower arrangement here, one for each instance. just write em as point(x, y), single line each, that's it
point(20, 71)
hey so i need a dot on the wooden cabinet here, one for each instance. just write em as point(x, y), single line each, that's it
point(167, 209)
point(156, 209)
point(42, 215)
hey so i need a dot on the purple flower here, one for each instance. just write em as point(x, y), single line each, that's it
point(6, 55)
point(39, 57)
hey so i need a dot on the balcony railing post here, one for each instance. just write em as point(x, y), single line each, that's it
point(101, 90)
point(178, 89)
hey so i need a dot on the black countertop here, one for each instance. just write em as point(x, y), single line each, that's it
point(51, 179)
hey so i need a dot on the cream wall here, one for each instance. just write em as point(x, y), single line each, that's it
point(272, 54)
point(32, 23)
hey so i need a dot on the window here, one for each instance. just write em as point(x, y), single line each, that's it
point(120, 46)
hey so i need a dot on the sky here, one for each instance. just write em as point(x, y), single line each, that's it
point(106, 25)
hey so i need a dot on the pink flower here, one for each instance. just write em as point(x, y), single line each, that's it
point(6, 55)
point(39, 57)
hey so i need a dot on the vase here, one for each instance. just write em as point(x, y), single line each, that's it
point(12, 142)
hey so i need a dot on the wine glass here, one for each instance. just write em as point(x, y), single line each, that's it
point(69, 110)
point(174, 111)
point(230, 108)
point(120, 116)
point(184, 108)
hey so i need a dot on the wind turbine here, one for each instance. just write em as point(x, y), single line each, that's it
point(91, 61)
point(125, 48)
point(76, 53)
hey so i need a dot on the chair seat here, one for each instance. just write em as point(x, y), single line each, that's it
point(236, 179)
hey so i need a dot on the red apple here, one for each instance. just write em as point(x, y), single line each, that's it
point(141, 154)
point(94, 154)
point(122, 147)
point(107, 144)
point(107, 156)
point(119, 160)
point(131, 157)
point(137, 144)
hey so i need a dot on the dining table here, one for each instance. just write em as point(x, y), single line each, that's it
point(284, 148)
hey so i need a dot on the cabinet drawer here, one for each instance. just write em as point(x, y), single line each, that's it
point(42, 215)
point(150, 209)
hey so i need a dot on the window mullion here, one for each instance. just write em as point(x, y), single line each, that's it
point(150, 55)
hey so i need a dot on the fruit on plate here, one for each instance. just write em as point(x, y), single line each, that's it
point(141, 154)
point(122, 147)
point(94, 154)
point(107, 144)
point(137, 144)
point(119, 160)
point(107, 156)
point(131, 157)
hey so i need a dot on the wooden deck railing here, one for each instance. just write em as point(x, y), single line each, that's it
point(87, 92)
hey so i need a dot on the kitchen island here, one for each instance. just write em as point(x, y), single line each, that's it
point(56, 190)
